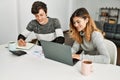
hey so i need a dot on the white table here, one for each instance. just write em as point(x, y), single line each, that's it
point(35, 67)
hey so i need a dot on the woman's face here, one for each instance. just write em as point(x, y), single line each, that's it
point(41, 17)
point(80, 23)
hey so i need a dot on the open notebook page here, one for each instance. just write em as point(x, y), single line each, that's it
point(28, 46)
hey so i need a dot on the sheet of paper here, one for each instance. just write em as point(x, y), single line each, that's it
point(37, 51)
point(28, 46)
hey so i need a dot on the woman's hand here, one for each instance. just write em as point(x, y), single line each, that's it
point(21, 42)
point(76, 56)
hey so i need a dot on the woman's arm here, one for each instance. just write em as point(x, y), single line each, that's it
point(98, 42)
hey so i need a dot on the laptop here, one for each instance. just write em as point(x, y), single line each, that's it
point(57, 52)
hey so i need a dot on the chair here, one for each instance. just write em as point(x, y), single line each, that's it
point(112, 49)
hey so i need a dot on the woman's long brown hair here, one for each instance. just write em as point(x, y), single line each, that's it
point(90, 26)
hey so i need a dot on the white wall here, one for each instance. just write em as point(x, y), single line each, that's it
point(93, 6)
point(8, 21)
point(60, 10)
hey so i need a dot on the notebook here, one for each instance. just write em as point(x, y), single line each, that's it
point(28, 46)
point(57, 52)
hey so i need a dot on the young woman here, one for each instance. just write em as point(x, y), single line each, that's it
point(87, 38)
point(44, 27)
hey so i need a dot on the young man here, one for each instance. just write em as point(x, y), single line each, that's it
point(44, 27)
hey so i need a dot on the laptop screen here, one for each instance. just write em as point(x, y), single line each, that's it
point(58, 52)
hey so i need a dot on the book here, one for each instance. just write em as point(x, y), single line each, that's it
point(28, 46)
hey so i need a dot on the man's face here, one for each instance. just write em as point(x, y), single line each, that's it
point(41, 17)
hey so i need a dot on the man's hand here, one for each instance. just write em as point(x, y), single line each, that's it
point(21, 42)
